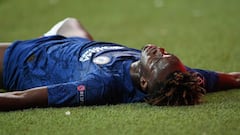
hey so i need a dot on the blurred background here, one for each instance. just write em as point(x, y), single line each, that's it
point(203, 33)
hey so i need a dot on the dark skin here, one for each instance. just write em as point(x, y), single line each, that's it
point(155, 64)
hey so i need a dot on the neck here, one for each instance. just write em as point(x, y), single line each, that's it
point(134, 73)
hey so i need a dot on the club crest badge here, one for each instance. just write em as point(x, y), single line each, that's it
point(101, 60)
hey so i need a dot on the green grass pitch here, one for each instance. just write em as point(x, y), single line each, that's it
point(204, 34)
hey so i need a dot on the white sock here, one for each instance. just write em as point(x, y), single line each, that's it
point(55, 28)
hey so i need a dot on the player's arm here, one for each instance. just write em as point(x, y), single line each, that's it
point(36, 97)
point(217, 81)
point(228, 81)
point(3, 47)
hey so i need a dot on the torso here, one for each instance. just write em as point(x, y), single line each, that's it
point(74, 59)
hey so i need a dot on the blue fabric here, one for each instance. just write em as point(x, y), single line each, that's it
point(78, 71)
point(66, 64)
point(209, 78)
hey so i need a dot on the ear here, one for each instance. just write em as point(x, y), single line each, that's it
point(143, 83)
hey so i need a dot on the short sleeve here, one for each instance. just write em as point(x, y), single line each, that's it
point(90, 91)
point(65, 94)
point(210, 78)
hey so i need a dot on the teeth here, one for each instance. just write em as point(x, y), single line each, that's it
point(165, 56)
point(238, 79)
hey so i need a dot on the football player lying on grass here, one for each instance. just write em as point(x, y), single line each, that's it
point(66, 67)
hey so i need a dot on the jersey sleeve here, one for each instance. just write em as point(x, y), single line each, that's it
point(90, 91)
point(65, 94)
point(208, 78)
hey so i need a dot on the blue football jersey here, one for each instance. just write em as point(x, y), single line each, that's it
point(78, 71)
point(75, 70)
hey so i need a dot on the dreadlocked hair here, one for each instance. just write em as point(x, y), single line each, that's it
point(178, 89)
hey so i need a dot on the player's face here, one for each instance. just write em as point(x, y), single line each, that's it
point(156, 64)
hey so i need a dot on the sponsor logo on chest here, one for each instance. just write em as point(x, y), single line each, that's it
point(88, 54)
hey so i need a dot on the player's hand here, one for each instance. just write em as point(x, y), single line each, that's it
point(236, 76)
